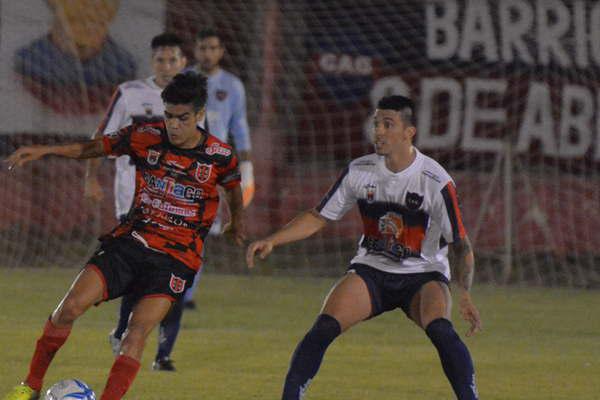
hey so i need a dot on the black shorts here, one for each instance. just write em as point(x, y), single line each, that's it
point(128, 267)
point(389, 291)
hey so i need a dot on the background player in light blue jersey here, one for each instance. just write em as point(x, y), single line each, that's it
point(225, 117)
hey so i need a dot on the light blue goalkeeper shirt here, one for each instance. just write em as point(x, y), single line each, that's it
point(226, 109)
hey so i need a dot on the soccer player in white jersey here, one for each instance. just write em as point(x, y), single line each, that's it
point(412, 226)
point(225, 118)
point(135, 102)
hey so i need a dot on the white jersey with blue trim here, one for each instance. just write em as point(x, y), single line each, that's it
point(133, 102)
point(409, 217)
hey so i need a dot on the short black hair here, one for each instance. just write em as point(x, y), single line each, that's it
point(208, 33)
point(166, 40)
point(186, 88)
point(403, 105)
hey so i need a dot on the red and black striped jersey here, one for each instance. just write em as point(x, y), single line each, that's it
point(176, 197)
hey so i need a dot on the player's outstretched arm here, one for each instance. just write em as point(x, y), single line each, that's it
point(92, 188)
point(462, 258)
point(235, 229)
point(88, 149)
point(301, 227)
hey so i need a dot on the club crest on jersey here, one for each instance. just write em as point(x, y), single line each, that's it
point(391, 226)
point(148, 109)
point(153, 157)
point(221, 95)
point(203, 172)
point(413, 201)
point(177, 284)
point(216, 148)
point(370, 189)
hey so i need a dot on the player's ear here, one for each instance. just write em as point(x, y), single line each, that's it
point(410, 132)
point(200, 114)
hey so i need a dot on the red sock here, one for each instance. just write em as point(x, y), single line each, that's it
point(47, 345)
point(121, 377)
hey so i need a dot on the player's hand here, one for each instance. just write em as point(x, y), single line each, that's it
point(24, 155)
point(263, 247)
point(93, 190)
point(469, 313)
point(234, 232)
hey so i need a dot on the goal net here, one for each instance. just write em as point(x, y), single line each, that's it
point(507, 96)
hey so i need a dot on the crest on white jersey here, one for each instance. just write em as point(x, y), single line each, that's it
point(370, 189)
point(413, 200)
point(148, 109)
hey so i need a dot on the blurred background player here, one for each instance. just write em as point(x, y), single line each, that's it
point(412, 223)
point(135, 102)
point(225, 118)
point(155, 252)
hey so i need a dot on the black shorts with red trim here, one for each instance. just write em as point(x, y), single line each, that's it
point(389, 291)
point(127, 267)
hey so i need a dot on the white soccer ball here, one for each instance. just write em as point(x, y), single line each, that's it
point(70, 389)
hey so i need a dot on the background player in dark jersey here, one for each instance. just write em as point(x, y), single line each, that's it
point(156, 251)
point(412, 223)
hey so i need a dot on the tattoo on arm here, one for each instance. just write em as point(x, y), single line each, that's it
point(463, 261)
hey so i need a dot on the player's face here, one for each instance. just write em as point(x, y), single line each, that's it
point(208, 53)
point(390, 132)
point(181, 121)
point(166, 63)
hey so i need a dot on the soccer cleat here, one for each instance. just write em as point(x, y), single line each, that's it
point(22, 392)
point(115, 343)
point(163, 364)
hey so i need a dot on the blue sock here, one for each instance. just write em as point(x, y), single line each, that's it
point(168, 330)
point(308, 356)
point(455, 358)
point(127, 303)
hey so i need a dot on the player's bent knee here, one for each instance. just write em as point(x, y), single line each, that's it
point(440, 330)
point(68, 311)
point(134, 340)
point(325, 329)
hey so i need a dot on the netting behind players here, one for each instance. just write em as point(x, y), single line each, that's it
point(508, 103)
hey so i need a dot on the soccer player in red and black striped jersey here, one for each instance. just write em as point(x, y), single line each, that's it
point(155, 252)
point(412, 225)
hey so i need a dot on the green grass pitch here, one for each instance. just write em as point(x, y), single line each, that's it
point(537, 343)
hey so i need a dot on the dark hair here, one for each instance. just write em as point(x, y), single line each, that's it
point(208, 33)
point(166, 40)
point(186, 88)
point(403, 105)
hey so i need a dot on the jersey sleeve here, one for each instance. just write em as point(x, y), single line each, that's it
point(447, 213)
point(116, 114)
point(339, 199)
point(118, 143)
point(238, 125)
point(229, 176)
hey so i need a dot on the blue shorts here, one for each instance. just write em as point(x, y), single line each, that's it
point(389, 291)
